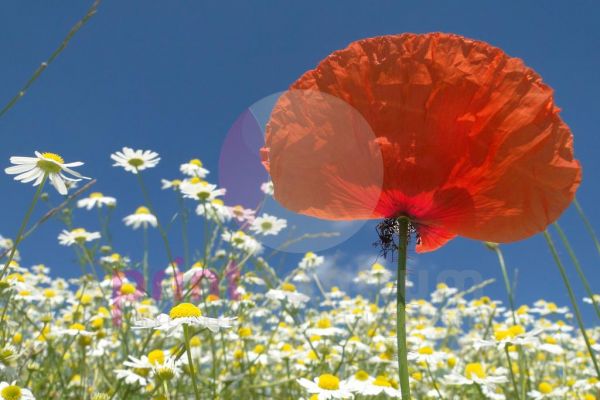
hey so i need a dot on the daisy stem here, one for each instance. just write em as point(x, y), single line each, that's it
point(584, 280)
point(162, 232)
point(512, 373)
point(587, 224)
point(19, 237)
point(434, 381)
point(565, 278)
point(186, 338)
point(403, 224)
point(145, 260)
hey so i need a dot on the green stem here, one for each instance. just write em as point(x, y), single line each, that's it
point(584, 280)
point(403, 225)
point(145, 261)
point(19, 237)
point(90, 13)
point(162, 232)
point(587, 224)
point(565, 278)
point(509, 291)
point(186, 338)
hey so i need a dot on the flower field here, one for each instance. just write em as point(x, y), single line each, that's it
point(245, 277)
point(227, 325)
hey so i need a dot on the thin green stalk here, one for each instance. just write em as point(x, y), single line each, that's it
point(434, 381)
point(19, 237)
point(512, 373)
point(162, 232)
point(403, 225)
point(584, 280)
point(587, 224)
point(90, 13)
point(145, 260)
point(186, 338)
point(509, 291)
point(573, 299)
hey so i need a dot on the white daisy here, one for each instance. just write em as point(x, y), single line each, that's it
point(184, 314)
point(267, 188)
point(14, 392)
point(193, 168)
point(97, 200)
point(547, 391)
point(288, 294)
point(141, 217)
point(267, 225)
point(200, 190)
point(166, 184)
point(326, 386)
point(379, 385)
point(135, 160)
point(215, 210)
point(35, 168)
point(78, 235)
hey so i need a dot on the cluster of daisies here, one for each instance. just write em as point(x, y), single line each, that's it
point(222, 323)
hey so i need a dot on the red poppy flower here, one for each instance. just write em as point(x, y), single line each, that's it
point(451, 132)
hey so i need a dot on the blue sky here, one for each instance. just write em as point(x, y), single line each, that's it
point(174, 76)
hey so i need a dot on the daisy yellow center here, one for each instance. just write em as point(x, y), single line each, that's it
point(185, 310)
point(212, 297)
point(218, 202)
point(245, 332)
point(77, 327)
point(11, 392)
point(324, 323)
point(96, 195)
point(545, 388)
point(377, 267)
point(135, 162)
point(382, 381)
point(127, 288)
point(426, 350)
point(49, 293)
point(142, 210)
point(156, 357)
point(195, 180)
point(361, 376)
point(259, 349)
point(329, 382)
point(266, 225)
point(196, 162)
point(474, 370)
point(288, 287)
point(552, 307)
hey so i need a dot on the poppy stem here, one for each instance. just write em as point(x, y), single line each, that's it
point(565, 278)
point(403, 232)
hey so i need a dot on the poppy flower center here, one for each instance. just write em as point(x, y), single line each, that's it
point(388, 230)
